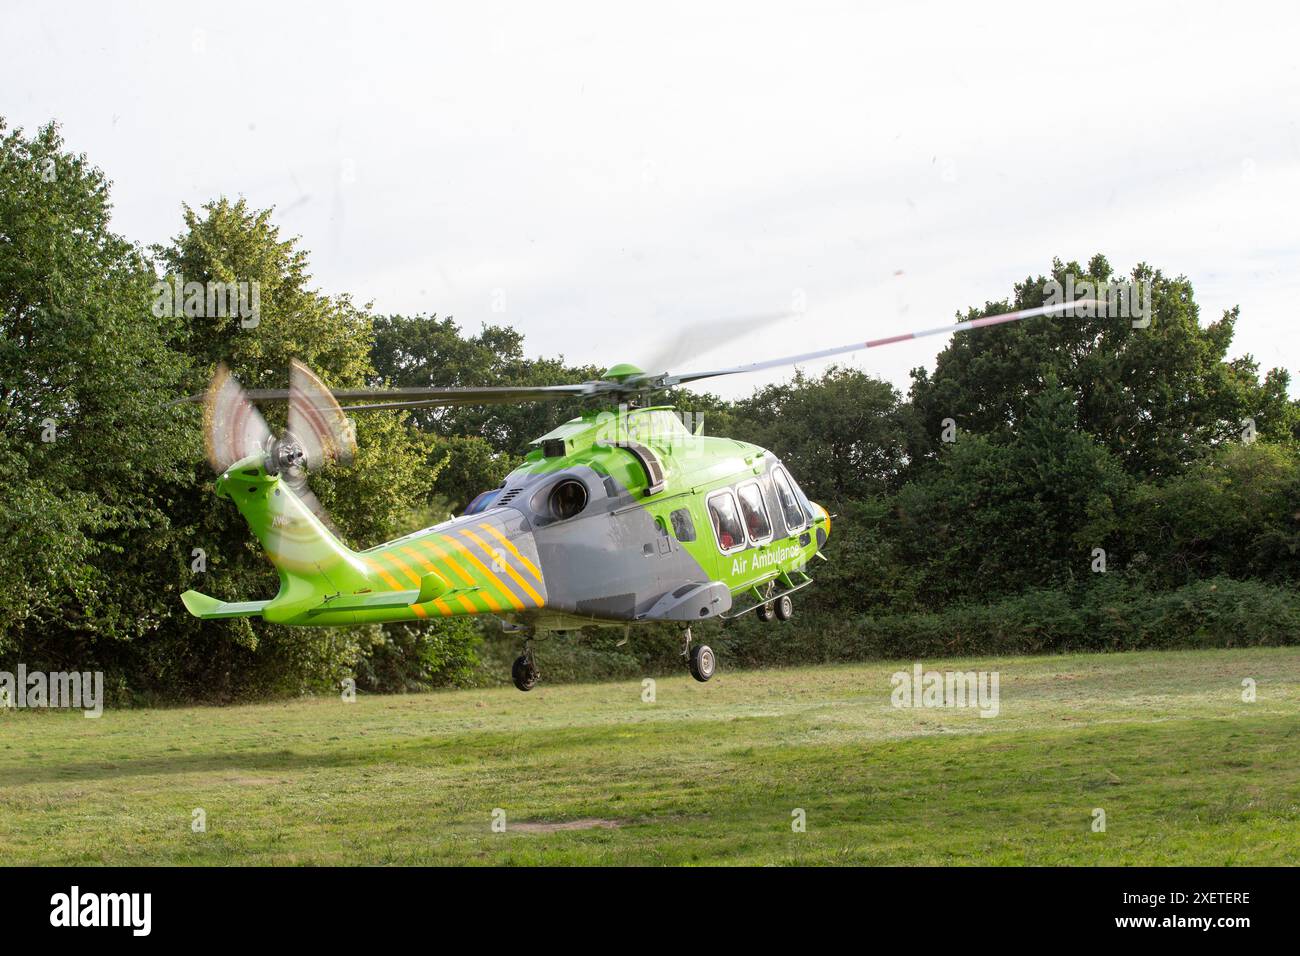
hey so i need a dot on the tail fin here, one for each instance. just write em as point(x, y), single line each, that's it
point(313, 563)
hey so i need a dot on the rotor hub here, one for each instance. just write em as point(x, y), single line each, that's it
point(621, 372)
point(285, 454)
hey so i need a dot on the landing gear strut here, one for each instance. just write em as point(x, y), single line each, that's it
point(766, 611)
point(699, 658)
point(524, 672)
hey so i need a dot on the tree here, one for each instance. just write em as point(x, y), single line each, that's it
point(229, 243)
point(844, 435)
point(1073, 434)
point(89, 459)
point(1233, 514)
point(375, 498)
point(994, 517)
point(1158, 396)
point(419, 350)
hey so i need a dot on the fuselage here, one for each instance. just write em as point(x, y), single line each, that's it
point(611, 518)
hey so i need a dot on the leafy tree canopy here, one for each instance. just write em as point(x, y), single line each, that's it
point(1157, 396)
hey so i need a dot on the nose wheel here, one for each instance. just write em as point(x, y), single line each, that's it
point(699, 658)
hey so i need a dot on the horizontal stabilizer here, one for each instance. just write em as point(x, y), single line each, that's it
point(432, 585)
point(209, 608)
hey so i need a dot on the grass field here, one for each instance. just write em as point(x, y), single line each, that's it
point(1186, 772)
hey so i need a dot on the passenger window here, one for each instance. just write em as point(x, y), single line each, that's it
point(755, 512)
point(794, 516)
point(683, 526)
point(726, 522)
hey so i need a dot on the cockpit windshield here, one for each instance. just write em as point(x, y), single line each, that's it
point(795, 505)
point(482, 502)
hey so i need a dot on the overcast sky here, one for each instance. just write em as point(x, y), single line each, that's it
point(604, 176)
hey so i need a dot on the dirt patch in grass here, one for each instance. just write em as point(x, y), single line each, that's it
point(586, 823)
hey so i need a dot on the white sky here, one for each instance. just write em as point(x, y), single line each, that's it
point(611, 174)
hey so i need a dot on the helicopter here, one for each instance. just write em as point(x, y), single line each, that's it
point(615, 518)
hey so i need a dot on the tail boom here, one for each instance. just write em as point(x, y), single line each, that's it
point(476, 564)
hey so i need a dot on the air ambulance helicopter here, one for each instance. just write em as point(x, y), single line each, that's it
point(614, 518)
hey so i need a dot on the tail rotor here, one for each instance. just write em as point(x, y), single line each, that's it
point(318, 435)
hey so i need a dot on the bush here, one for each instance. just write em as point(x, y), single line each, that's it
point(415, 657)
point(1110, 615)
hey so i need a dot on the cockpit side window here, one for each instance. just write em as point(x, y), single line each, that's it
point(727, 527)
point(683, 526)
point(791, 509)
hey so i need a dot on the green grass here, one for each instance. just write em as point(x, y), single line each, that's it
point(1186, 772)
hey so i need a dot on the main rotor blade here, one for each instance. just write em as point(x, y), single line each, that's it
point(701, 338)
point(426, 396)
point(445, 397)
point(670, 380)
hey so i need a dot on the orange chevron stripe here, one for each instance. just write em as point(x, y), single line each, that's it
point(419, 611)
point(468, 579)
point(420, 559)
point(451, 562)
point(401, 566)
point(532, 569)
point(393, 583)
point(383, 573)
point(510, 595)
point(487, 598)
point(489, 550)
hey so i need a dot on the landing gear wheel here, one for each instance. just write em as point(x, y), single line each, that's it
point(784, 607)
point(524, 672)
point(765, 612)
point(702, 663)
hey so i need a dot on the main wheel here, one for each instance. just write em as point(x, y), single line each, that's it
point(784, 607)
point(765, 612)
point(702, 663)
point(524, 673)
